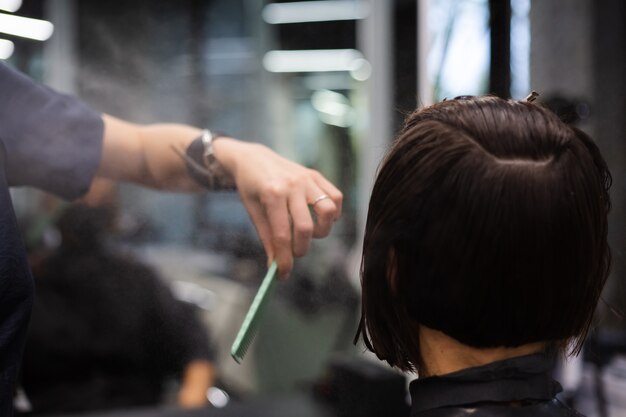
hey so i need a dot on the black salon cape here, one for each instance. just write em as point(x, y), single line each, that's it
point(52, 142)
point(517, 387)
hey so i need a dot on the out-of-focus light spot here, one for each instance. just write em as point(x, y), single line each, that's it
point(313, 60)
point(520, 47)
point(25, 27)
point(315, 11)
point(217, 397)
point(6, 49)
point(362, 70)
point(11, 6)
point(458, 58)
point(194, 294)
point(333, 108)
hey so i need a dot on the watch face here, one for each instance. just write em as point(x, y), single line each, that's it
point(207, 142)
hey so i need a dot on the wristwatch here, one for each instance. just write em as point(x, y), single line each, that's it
point(205, 168)
point(207, 139)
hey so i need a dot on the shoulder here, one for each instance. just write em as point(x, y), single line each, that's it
point(554, 408)
point(41, 131)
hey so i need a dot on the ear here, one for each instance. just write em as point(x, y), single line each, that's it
point(392, 270)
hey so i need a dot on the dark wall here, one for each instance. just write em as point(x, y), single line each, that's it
point(405, 59)
point(609, 114)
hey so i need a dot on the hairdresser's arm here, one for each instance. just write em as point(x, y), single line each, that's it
point(275, 191)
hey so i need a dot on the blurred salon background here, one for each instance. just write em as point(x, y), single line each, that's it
point(326, 83)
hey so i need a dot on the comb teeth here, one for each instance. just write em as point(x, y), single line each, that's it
point(239, 351)
point(250, 325)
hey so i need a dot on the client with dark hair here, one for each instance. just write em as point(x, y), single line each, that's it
point(485, 254)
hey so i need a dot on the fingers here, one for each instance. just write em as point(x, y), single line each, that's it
point(277, 214)
point(285, 225)
point(324, 216)
point(331, 191)
point(257, 214)
point(275, 235)
point(302, 224)
point(279, 196)
point(327, 210)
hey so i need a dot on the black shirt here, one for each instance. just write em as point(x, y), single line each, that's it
point(519, 387)
point(52, 142)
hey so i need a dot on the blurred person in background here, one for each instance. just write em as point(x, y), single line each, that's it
point(485, 254)
point(106, 332)
point(58, 144)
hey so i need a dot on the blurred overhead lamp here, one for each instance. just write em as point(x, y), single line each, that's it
point(217, 397)
point(333, 108)
point(361, 69)
point(312, 60)
point(6, 49)
point(10, 5)
point(315, 11)
point(25, 27)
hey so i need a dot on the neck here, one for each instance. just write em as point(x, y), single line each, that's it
point(442, 354)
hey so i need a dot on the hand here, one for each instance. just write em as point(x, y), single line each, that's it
point(192, 398)
point(198, 377)
point(277, 194)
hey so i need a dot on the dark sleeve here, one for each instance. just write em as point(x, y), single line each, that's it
point(52, 141)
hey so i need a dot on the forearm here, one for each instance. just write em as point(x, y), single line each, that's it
point(147, 154)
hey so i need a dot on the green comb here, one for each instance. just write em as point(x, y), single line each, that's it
point(250, 324)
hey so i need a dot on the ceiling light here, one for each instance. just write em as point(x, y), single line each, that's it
point(10, 5)
point(6, 49)
point(312, 60)
point(333, 108)
point(315, 11)
point(25, 27)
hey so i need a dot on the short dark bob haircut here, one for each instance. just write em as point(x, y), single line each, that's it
point(491, 215)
